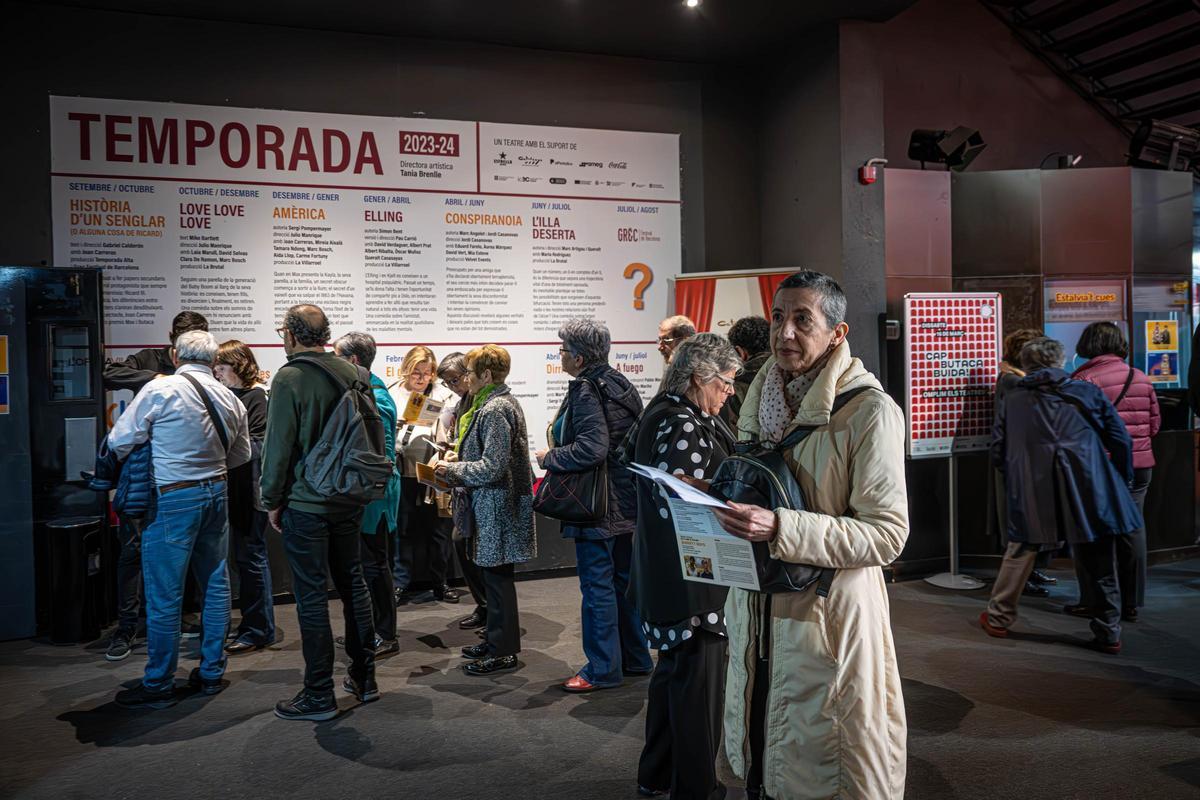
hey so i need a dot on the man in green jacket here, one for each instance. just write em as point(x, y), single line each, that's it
point(320, 534)
point(379, 517)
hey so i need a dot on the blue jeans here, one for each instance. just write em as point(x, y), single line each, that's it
point(254, 582)
point(612, 636)
point(189, 525)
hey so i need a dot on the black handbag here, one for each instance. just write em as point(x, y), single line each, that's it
point(576, 498)
point(462, 512)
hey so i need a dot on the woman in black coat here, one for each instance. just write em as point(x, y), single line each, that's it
point(680, 432)
point(236, 368)
point(1067, 464)
point(598, 410)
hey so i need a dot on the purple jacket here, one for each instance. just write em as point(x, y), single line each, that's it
point(1139, 407)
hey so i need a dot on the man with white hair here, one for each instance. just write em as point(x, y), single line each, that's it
point(197, 431)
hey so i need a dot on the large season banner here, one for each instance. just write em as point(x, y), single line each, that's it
point(437, 232)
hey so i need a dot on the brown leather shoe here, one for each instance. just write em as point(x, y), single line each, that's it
point(990, 629)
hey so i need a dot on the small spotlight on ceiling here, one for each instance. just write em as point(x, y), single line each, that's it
point(956, 149)
point(1164, 145)
point(692, 3)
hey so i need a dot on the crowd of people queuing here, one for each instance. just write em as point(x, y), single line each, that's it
point(802, 688)
point(1073, 459)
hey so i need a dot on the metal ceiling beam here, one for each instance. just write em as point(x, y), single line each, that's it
point(1143, 53)
point(1064, 67)
point(1063, 13)
point(1153, 83)
point(1139, 19)
point(1169, 108)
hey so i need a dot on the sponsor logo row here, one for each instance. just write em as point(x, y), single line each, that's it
point(504, 160)
point(577, 181)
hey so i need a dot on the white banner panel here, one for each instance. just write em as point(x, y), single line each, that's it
point(437, 232)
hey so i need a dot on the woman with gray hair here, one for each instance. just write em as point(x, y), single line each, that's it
point(813, 701)
point(599, 408)
point(1067, 461)
point(681, 432)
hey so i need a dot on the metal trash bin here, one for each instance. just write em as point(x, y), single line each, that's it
point(75, 549)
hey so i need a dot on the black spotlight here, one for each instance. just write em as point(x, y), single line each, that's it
point(956, 149)
point(1164, 145)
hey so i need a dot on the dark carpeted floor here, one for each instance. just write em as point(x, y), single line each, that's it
point(1033, 717)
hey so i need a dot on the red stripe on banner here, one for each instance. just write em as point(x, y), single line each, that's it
point(555, 343)
point(767, 284)
point(357, 188)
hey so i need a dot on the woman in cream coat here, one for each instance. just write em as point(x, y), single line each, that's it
point(828, 720)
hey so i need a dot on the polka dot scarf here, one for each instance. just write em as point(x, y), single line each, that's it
point(780, 400)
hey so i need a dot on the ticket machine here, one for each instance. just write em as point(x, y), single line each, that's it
point(52, 527)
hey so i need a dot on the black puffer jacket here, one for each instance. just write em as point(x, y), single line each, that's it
point(133, 479)
point(587, 440)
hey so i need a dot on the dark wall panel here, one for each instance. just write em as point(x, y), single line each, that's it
point(80, 52)
point(1162, 222)
point(996, 223)
point(1086, 222)
point(951, 62)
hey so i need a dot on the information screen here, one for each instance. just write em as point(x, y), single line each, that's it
point(70, 363)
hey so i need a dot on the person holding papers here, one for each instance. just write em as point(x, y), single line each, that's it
point(813, 704)
point(680, 432)
point(493, 466)
point(422, 545)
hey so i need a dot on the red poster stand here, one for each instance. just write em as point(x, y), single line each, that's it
point(952, 355)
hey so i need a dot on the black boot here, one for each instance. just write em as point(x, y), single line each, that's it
point(1041, 578)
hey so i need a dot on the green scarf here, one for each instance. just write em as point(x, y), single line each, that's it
point(464, 422)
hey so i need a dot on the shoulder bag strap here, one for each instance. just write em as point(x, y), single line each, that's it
point(1125, 388)
point(599, 398)
point(340, 385)
point(333, 376)
point(212, 412)
point(801, 433)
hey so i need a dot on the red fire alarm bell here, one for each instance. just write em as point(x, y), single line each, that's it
point(867, 172)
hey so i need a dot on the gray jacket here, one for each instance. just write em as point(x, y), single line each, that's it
point(494, 464)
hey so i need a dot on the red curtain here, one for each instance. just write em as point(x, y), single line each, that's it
point(694, 299)
point(767, 284)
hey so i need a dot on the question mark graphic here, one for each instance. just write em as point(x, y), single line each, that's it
point(640, 288)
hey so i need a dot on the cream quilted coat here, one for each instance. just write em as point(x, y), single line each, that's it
point(835, 711)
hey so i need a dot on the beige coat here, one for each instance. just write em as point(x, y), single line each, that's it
point(835, 711)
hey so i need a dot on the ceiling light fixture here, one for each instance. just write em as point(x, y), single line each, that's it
point(692, 3)
point(1164, 145)
point(956, 149)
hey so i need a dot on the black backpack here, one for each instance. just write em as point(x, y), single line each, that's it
point(758, 474)
point(349, 461)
